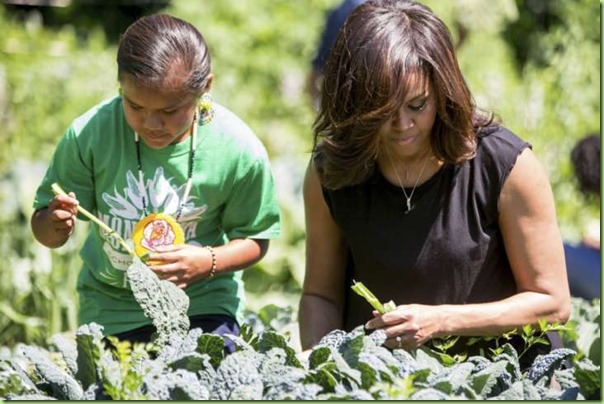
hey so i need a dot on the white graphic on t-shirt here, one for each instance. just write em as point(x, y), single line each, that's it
point(126, 209)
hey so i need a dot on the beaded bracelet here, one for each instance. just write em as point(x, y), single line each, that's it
point(213, 269)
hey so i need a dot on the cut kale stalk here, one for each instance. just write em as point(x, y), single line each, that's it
point(362, 291)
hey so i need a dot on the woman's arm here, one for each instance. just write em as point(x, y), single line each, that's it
point(534, 247)
point(527, 218)
point(321, 304)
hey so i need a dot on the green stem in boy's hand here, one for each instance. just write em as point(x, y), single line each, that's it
point(362, 291)
point(56, 188)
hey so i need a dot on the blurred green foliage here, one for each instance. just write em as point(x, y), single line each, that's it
point(536, 63)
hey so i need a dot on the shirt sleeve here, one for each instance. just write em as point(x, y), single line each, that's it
point(252, 210)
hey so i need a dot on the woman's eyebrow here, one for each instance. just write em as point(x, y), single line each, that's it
point(419, 96)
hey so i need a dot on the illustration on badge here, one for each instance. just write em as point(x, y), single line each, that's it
point(156, 230)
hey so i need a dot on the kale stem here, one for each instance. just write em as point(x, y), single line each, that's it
point(56, 188)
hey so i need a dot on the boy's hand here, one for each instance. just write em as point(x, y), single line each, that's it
point(62, 214)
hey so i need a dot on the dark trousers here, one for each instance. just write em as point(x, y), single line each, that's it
point(217, 324)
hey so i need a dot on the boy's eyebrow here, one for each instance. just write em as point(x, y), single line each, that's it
point(130, 101)
point(177, 104)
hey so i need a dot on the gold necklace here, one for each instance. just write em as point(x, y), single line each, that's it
point(408, 198)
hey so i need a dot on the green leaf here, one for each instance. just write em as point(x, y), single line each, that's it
point(324, 376)
point(444, 344)
point(90, 347)
point(588, 377)
point(318, 356)
point(446, 359)
point(485, 381)
point(528, 330)
point(272, 339)
point(213, 346)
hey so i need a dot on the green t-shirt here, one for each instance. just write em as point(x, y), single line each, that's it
point(232, 196)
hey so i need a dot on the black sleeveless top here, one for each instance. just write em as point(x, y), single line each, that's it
point(447, 250)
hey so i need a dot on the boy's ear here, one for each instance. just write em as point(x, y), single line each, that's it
point(209, 80)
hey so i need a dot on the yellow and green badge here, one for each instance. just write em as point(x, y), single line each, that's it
point(153, 231)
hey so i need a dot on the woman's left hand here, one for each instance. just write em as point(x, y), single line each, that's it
point(181, 264)
point(408, 326)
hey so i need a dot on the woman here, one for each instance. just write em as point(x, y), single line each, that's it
point(416, 194)
point(160, 162)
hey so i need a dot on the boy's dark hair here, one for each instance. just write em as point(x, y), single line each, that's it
point(585, 158)
point(154, 44)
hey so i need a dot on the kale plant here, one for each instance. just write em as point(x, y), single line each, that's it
point(264, 366)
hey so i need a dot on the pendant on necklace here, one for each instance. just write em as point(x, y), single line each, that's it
point(409, 207)
point(155, 230)
point(159, 229)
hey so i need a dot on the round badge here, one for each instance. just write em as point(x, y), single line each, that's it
point(153, 231)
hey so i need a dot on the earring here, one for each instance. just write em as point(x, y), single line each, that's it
point(205, 109)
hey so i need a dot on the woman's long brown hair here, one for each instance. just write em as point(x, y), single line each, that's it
point(382, 47)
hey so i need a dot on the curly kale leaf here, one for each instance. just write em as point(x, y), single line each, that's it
point(178, 346)
point(90, 347)
point(429, 394)
point(31, 397)
point(191, 352)
point(271, 339)
point(162, 301)
point(68, 350)
point(588, 377)
point(453, 380)
point(289, 390)
point(275, 370)
point(510, 356)
point(366, 353)
point(284, 382)
point(208, 374)
point(333, 340)
point(545, 365)
point(492, 380)
point(176, 385)
point(241, 344)
point(357, 395)
point(405, 361)
point(62, 385)
point(238, 378)
point(14, 381)
point(425, 359)
point(213, 346)
point(328, 369)
point(352, 360)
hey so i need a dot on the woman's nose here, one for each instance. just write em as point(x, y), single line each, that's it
point(402, 121)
